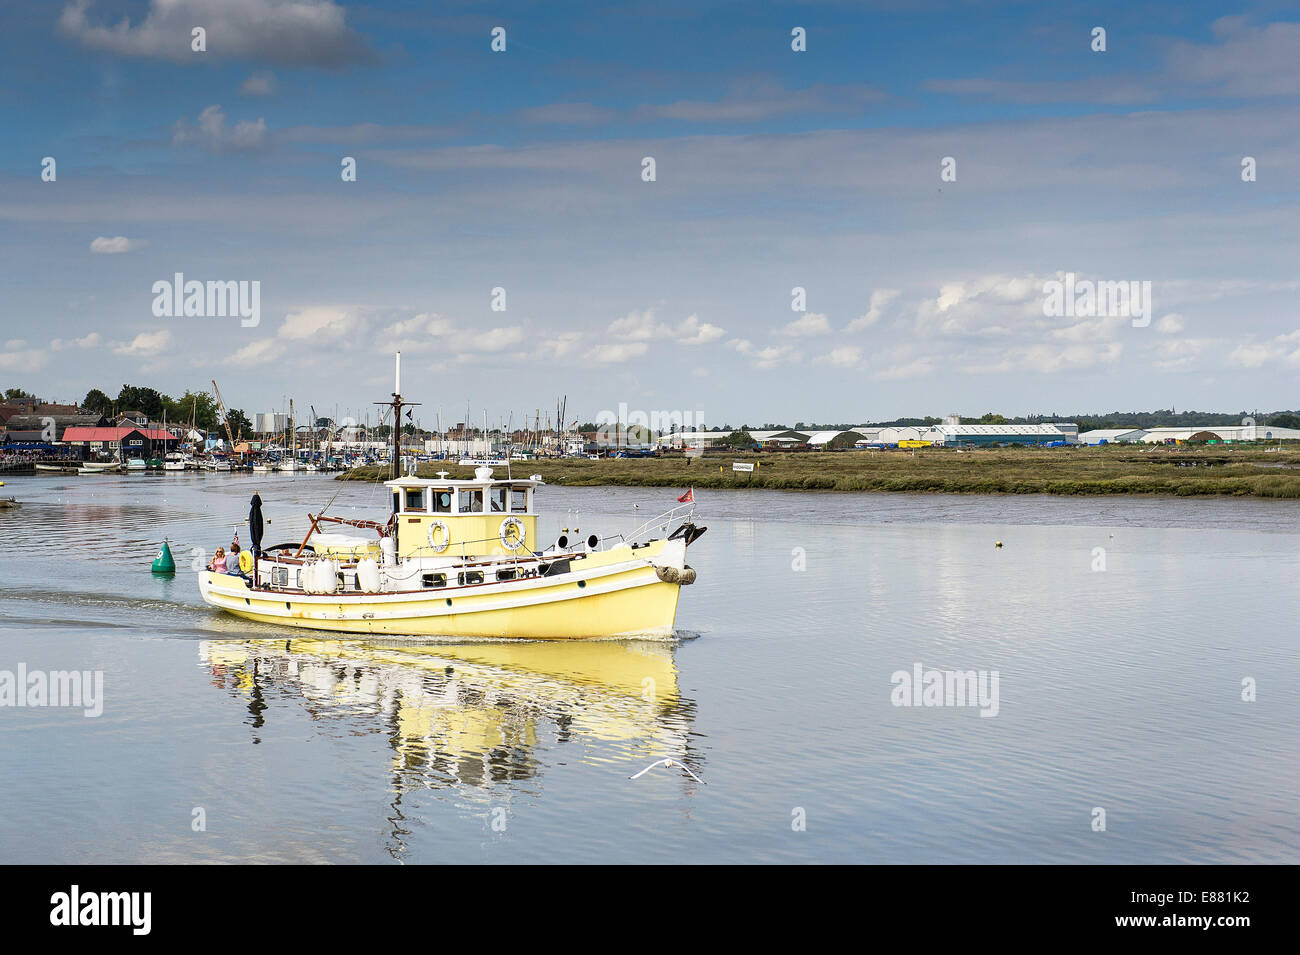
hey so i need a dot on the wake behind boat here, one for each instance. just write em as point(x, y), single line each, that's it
point(460, 558)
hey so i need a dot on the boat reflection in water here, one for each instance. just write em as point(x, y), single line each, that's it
point(472, 714)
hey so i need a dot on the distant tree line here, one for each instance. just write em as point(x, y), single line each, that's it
point(1182, 419)
point(196, 407)
point(201, 408)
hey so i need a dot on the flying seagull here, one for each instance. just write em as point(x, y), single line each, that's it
point(670, 763)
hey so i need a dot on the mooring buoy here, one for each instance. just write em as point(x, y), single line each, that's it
point(163, 563)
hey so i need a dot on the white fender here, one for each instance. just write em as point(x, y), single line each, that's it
point(368, 575)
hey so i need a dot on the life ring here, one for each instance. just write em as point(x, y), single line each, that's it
point(512, 533)
point(246, 561)
point(446, 536)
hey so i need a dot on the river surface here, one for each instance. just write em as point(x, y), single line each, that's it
point(1123, 635)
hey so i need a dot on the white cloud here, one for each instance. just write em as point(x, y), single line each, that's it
point(880, 300)
point(692, 331)
point(560, 345)
point(1246, 60)
point(1258, 354)
point(757, 101)
point(146, 344)
point(288, 32)
point(259, 84)
point(1171, 323)
point(987, 306)
point(1047, 359)
point(1012, 289)
point(808, 326)
point(1243, 60)
point(92, 340)
point(768, 357)
point(1179, 353)
point(1092, 89)
point(210, 132)
point(845, 356)
point(429, 331)
point(616, 354)
point(916, 368)
point(1105, 327)
point(566, 114)
point(902, 362)
point(493, 340)
point(322, 323)
point(116, 245)
point(259, 352)
point(1251, 356)
point(638, 326)
point(17, 358)
point(643, 327)
point(415, 334)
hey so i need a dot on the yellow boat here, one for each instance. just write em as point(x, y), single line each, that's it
point(462, 559)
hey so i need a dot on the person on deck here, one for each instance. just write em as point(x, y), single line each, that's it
point(218, 565)
point(232, 559)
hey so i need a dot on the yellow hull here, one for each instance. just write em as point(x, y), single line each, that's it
point(609, 597)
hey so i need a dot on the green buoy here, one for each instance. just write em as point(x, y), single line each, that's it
point(163, 563)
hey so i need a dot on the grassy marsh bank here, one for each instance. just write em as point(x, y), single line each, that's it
point(1240, 471)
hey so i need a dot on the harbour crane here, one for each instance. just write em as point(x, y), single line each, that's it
point(225, 418)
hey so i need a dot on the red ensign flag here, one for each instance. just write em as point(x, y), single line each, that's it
point(687, 498)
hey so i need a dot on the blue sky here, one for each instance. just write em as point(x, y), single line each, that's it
point(774, 169)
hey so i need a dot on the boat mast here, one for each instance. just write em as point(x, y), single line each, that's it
point(397, 404)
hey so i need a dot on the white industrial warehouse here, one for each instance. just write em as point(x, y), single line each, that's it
point(1045, 434)
point(944, 435)
point(1224, 433)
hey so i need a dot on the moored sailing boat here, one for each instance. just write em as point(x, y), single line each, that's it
point(96, 467)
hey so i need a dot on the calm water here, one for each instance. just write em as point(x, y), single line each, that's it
point(1119, 689)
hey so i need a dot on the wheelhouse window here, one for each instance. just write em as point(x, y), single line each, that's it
point(471, 501)
point(497, 496)
point(440, 501)
point(519, 500)
point(415, 498)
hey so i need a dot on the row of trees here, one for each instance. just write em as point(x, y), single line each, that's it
point(1087, 422)
point(201, 408)
point(196, 407)
point(1183, 419)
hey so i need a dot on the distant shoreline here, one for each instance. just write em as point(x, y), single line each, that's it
point(1079, 472)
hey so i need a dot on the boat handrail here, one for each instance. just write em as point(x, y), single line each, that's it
point(667, 517)
point(523, 553)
